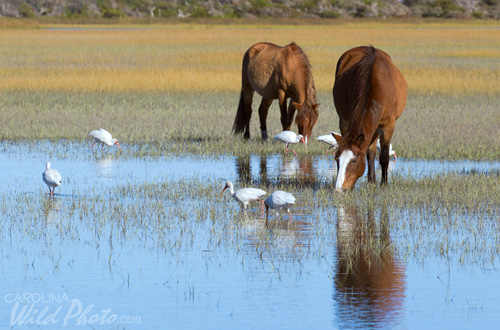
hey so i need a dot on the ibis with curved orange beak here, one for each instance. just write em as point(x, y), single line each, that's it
point(103, 137)
point(245, 196)
point(288, 137)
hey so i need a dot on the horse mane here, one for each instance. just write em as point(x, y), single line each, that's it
point(310, 99)
point(360, 76)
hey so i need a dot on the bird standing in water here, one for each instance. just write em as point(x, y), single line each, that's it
point(103, 137)
point(245, 196)
point(280, 200)
point(288, 137)
point(330, 140)
point(52, 178)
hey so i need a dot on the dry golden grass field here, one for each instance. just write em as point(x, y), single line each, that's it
point(439, 57)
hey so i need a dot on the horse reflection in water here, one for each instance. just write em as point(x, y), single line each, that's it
point(243, 169)
point(369, 283)
point(295, 168)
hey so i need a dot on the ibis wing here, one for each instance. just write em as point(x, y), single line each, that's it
point(249, 194)
point(101, 135)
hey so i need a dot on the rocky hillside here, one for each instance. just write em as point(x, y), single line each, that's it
point(251, 8)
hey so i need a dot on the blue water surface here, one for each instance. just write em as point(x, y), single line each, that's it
point(78, 279)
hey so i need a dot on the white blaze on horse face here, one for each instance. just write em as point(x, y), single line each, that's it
point(344, 160)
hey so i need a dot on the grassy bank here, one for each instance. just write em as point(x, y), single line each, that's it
point(432, 127)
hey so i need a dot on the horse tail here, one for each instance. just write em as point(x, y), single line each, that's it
point(240, 120)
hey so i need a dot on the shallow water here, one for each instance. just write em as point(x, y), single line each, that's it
point(189, 269)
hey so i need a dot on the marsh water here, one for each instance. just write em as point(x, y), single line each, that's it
point(104, 253)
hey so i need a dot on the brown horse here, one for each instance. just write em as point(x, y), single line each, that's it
point(369, 94)
point(277, 73)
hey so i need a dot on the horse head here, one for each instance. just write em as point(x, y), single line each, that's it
point(350, 160)
point(307, 117)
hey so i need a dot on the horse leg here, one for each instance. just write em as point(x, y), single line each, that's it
point(370, 157)
point(245, 107)
point(284, 116)
point(247, 99)
point(263, 110)
point(385, 141)
point(290, 115)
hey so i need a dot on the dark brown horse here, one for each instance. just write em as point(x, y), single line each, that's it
point(277, 73)
point(369, 95)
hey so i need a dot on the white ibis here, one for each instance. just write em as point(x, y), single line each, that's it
point(391, 151)
point(290, 137)
point(280, 200)
point(52, 178)
point(245, 195)
point(104, 137)
point(330, 140)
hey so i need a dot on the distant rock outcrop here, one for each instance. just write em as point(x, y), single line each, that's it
point(251, 8)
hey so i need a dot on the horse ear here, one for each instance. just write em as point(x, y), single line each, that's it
point(337, 136)
point(297, 105)
point(360, 139)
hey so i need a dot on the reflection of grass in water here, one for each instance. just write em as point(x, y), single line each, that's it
point(449, 216)
point(432, 126)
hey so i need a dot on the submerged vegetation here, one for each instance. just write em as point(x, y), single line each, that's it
point(443, 215)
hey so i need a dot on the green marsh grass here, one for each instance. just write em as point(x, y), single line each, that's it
point(158, 124)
